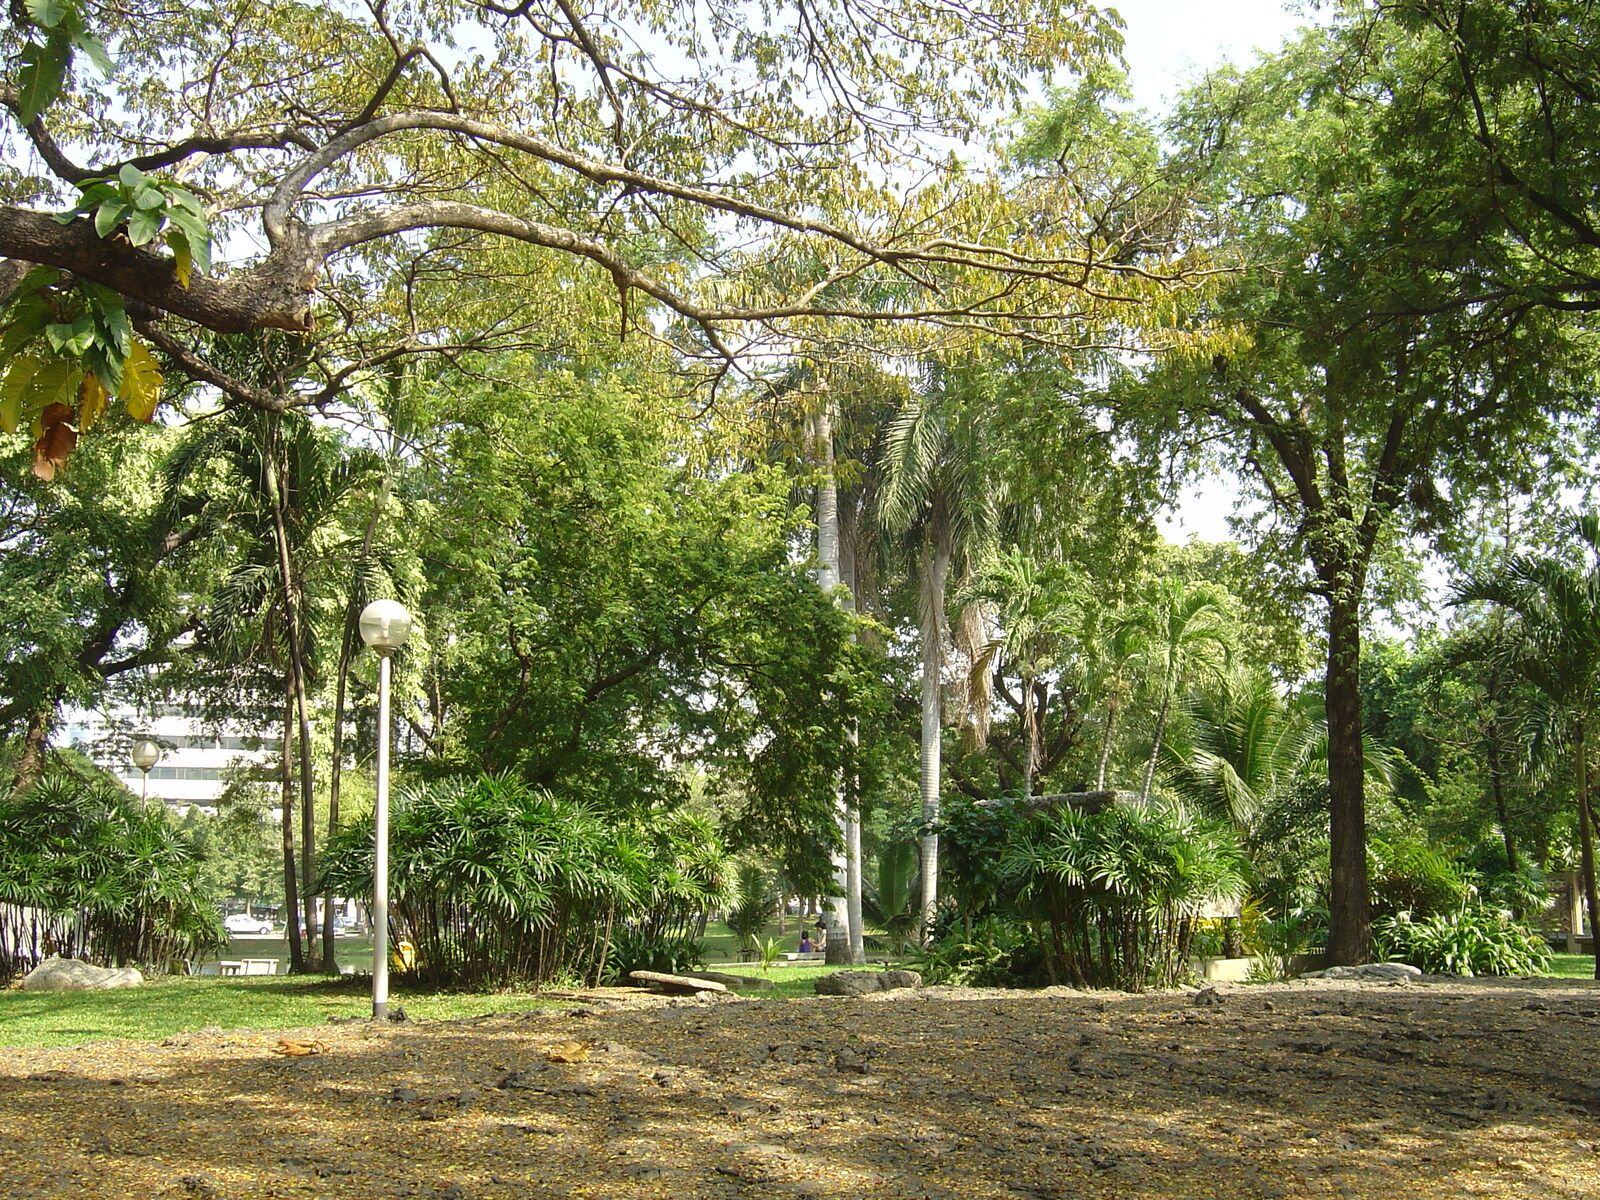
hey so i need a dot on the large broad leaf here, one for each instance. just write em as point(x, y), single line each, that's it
point(44, 69)
point(143, 225)
point(16, 384)
point(141, 384)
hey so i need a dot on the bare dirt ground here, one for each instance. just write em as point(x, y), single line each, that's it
point(1438, 1089)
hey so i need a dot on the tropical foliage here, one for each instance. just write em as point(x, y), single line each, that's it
point(88, 872)
point(496, 882)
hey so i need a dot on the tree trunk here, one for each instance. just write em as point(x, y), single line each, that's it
point(297, 688)
point(1497, 774)
point(1349, 908)
point(1155, 744)
point(1030, 735)
point(291, 890)
point(1105, 746)
point(30, 764)
point(1586, 837)
point(935, 569)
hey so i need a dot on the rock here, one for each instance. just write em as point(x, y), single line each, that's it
point(1392, 971)
point(1208, 996)
point(71, 975)
point(862, 983)
point(676, 985)
point(734, 983)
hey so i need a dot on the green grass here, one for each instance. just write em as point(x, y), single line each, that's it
point(1571, 966)
point(165, 1007)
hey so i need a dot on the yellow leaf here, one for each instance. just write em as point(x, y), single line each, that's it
point(568, 1052)
point(141, 384)
point(92, 400)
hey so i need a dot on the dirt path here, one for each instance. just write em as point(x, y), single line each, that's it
point(1441, 1089)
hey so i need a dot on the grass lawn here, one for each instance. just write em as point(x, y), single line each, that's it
point(1572, 966)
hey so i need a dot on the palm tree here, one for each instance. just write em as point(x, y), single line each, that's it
point(1180, 633)
point(937, 502)
point(1553, 641)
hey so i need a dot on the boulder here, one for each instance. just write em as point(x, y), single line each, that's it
point(1391, 972)
point(734, 983)
point(73, 975)
point(675, 985)
point(863, 983)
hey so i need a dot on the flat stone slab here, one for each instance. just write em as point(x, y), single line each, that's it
point(734, 983)
point(676, 985)
point(73, 975)
point(1394, 972)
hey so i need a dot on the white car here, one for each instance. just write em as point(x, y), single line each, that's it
point(245, 923)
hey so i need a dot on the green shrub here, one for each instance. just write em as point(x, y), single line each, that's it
point(1474, 941)
point(753, 908)
point(1411, 877)
point(1119, 890)
point(635, 949)
point(116, 884)
point(995, 953)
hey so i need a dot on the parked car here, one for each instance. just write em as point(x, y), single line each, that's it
point(245, 923)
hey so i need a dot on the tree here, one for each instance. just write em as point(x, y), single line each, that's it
point(359, 148)
point(937, 498)
point(1553, 640)
point(1176, 636)
point(1357, 385)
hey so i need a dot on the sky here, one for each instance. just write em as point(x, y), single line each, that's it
point(1169, 43)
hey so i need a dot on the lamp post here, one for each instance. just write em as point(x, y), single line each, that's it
point(385, 626)
point(145, 754)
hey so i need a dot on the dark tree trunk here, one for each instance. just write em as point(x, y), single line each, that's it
point(1497, 773)
point(30, 764)
point(1349, 909)
point(291, 890)
point(1586, 838)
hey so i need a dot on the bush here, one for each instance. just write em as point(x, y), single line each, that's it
point(753, 908)
point(1474, 941)
point(114, 884)
point(635, 949)
point(1411, 877)
point(996, 953)
point(1119, 890)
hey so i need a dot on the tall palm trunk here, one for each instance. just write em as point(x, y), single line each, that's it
point(294, 624)
point(1155, 743)
point(842, 929)
point(291, 886)
point(1105, 744)
point(1030, 734)
point(935, 573)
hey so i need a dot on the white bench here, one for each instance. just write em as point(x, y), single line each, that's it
point(258, 966)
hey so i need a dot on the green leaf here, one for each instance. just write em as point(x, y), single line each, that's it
point(130, 177)
point(94, 50)
point(71, 339)
point(108, 216)
point(51, 384)
point(144, 225)
point(149, 195)
point(13, 387)
point(47, 14)
point(44, 70)
point(198, 236)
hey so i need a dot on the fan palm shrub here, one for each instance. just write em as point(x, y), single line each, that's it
point(497, 882)
point(1117, 892)
point(88, 872)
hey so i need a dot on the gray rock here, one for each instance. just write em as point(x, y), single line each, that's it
point(863, 983)
point(1208, 996)
point(734, 983)
point(71, 975)
point(1389, 972)
point(676, 985)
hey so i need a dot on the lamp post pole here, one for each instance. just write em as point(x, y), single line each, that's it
point(380, 851)
point(385, 625)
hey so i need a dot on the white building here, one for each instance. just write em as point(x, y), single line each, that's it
point(197, 759)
